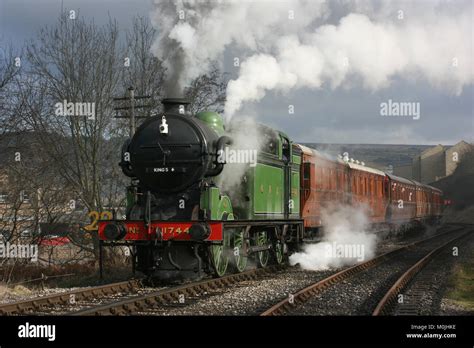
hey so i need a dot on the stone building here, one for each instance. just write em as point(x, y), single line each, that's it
point(430, 165)
point(434, 163)
point(405, 171)
point(454, 155)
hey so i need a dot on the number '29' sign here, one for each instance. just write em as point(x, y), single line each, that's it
point(95, 217)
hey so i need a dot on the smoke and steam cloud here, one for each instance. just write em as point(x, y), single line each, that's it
point(247, 140)
point(313, 44)
point(347, 240)
point(193, 34)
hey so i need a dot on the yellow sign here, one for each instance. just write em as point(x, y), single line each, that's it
point(95, 217)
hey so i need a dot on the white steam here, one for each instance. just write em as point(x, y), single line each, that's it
point(193, 34)
point(292, 44)
point(346, 240)
point(247, 140)
point(358, 49)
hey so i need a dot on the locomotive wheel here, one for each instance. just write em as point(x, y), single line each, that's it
point(262, 256)
point(239, 251)
point(219, 258)
point(278, 252)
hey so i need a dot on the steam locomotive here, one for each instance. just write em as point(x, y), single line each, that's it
point(180, 223)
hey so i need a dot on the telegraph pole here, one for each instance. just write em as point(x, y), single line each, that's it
point(131, 93)
point(131, 98)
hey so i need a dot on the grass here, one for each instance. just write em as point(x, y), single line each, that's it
point(111, 274)
point(82, 275)
point(462, 285)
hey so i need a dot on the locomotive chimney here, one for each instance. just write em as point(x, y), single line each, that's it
point(175, 105)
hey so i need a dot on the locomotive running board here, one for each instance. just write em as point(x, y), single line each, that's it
point(243, 223)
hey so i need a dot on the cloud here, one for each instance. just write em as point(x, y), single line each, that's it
point(358, 49)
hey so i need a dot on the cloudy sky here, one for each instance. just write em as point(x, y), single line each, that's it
point(348, 113)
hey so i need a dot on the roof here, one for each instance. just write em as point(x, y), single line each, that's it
point(413, 182)
point(309, 151)
point(365, 169)
point(433, 188)
point(400, 179)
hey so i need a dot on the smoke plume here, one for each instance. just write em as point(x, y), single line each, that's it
point(247, 140)
point(293, 44)
point(193, 34)
point(346, 240)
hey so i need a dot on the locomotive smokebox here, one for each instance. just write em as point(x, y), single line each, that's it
point(175, 105)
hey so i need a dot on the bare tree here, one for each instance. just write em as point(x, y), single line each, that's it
point(10, 63)
point(75, 62)
point(207, 92)
point(141, 69)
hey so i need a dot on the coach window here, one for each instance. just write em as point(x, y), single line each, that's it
point(317, 178)
point(307, 177)
point(338, 180)
point(271, 144)
point(286, 150)
point(325, 182)
point(306, 170)
point(326, 179)
point(331, 180)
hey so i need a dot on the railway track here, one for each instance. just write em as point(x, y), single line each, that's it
point(179, 295)
point(178, 298)
point(69, 298)
point(389, 301)
point(175, 296)
point(130, 297)
point(415, 256)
